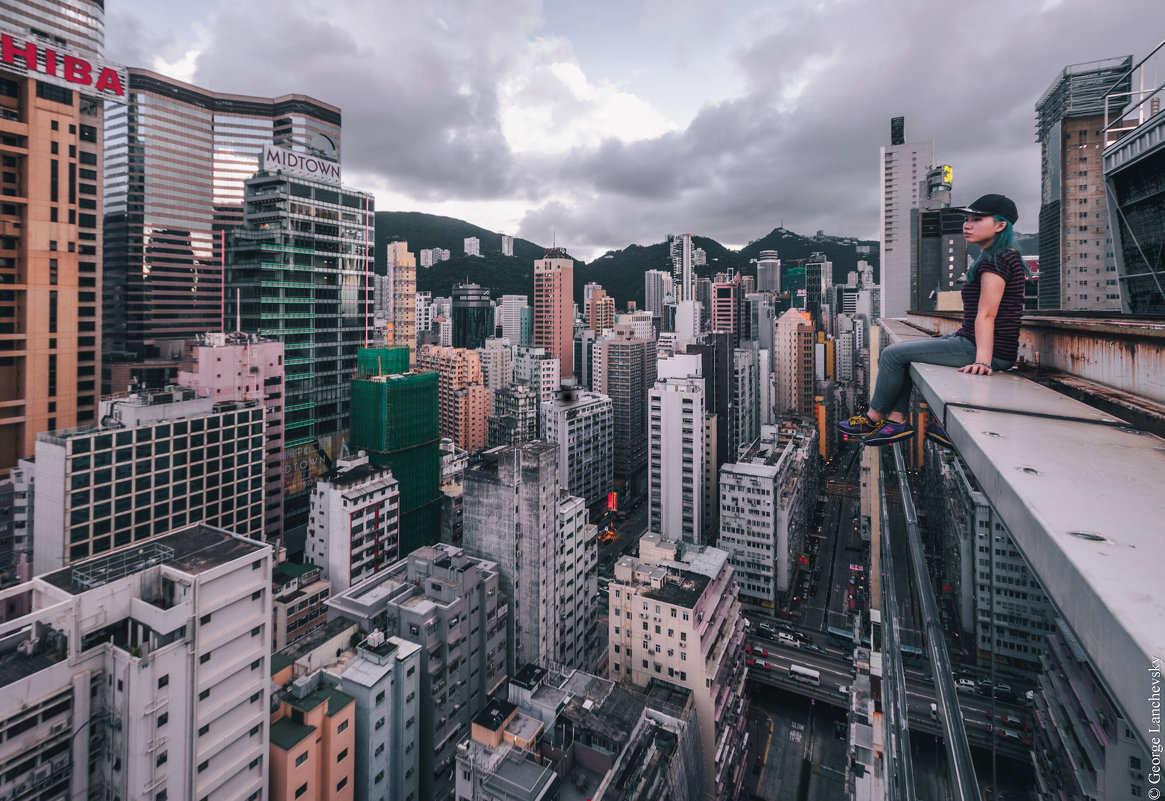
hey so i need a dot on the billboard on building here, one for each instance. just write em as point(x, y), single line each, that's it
point(303, 464)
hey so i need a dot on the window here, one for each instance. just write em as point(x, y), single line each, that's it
point(203, 730)
point(343, 725)
point(299, 760)
point(163, 681)
point(202, 660)
point(203, 766)
point(342, 784)
point(302, 789)
point(163, 719)
point(341, 755)
point(161, 760)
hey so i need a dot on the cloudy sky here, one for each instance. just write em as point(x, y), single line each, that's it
point(611, 122)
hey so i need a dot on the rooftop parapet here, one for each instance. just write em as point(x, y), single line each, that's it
point(1079, 491)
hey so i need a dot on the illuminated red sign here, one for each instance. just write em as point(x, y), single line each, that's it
point(613, 501)
point(52, 66)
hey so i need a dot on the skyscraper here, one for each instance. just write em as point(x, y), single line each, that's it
point(50, 242)
point(462, 399)
point(394, 419)
point(247, 367)
point(579, 423)
point(1077, 265)
point(512, 306)
point(657, 285)
point(768, 271)
point(901, 170)
point(517, 514)
point(311, 291)
point(178, 157)
point(402, 266)
point(676, 451)
point(628, 374)
point(473, 316)
point(600, 311)
point(554, 308)
point(793, 364)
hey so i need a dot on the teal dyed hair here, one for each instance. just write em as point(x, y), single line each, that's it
point(1004, 241)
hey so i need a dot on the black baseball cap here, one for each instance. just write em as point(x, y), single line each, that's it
point(995, 205)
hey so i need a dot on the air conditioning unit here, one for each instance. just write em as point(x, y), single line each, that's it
point(57, 728)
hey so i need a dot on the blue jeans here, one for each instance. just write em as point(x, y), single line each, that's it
point(892, 392)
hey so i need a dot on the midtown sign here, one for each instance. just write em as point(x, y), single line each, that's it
point(279, 159)
point(51, 65)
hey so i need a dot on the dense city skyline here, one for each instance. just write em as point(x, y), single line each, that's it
point(616, 124)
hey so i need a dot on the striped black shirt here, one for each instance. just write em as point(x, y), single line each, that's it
point(1009, 266)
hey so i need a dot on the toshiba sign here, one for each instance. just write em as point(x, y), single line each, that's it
point(279, 159)
point(48, 64)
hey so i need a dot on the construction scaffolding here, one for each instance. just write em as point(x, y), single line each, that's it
point(394, 419)
point(382, 361)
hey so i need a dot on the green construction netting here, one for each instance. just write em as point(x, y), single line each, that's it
point(382, 361)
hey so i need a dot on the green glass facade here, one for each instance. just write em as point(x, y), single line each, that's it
point(299, 271)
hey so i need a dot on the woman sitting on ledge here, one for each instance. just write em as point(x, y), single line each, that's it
point(988, 339)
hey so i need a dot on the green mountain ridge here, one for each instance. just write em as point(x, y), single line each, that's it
point(620, 272)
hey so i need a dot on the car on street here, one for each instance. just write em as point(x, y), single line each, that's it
point(812, 646)
point(788, 640)
point(760, 664)
point(965, 685)
point(755, 651)
point(768, 630)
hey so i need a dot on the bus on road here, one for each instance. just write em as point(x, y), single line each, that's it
point(804, 675)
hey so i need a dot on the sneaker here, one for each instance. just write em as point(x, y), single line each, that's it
point(859, 425)
point(888, 432)
point(936, 433)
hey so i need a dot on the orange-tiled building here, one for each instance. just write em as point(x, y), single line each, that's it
point(554, 308)
point(462, 399)
point(51, 134)
point(313, 739)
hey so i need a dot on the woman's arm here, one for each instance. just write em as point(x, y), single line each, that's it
point(990, 294)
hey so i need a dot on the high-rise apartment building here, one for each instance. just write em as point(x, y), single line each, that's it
point(580, 424)
point(473, 316)
point(402, 267)
point(600, 311)
point(472, 246)
point(727, 305)
point(793, 364)
point(768, 271)
point(744, 413)
point(818, 280)
point(676, 451)
point(354, 528)
point(512, 307)
point(515, 415)
point(554, 308)
point(451, 605)
point(394, 419)
point(657, 285)
point(144, 673)
point(246, 367)
point(675, 616)
point(310, 290)
point(902, 169)
point(766, 507)
point(941, 257)
point(462, 400)
point(158, 462)
point(507, 245)
point(538, 368)
point(628, 373)
point(299, 603)
point(516, 514)
point(50, 239)
point(1077, 262)
point(497, 365)
point(177, 157)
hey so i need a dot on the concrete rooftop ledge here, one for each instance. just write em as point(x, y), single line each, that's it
point(1081, 493)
